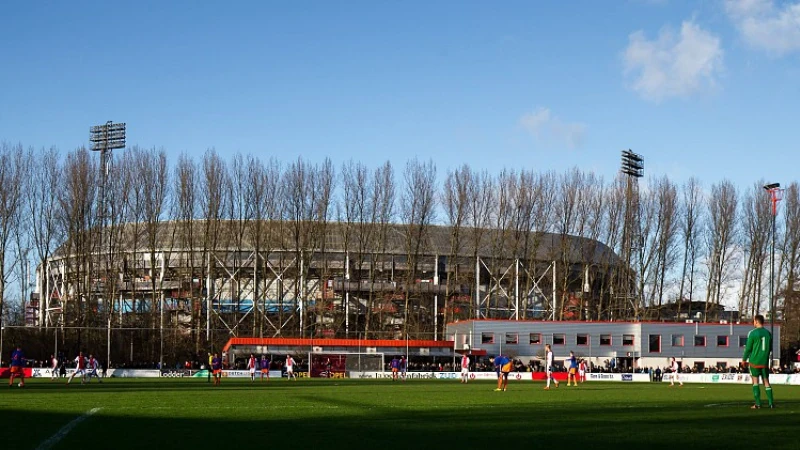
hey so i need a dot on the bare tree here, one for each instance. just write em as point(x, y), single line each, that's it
point(213, 201)
point(570, 189)
point(15, 240)
point(665, 238)
point(264, 181)
point(418, 212)
point(76, 218)
point(131, 195)
point(690, 233)
point(592, 213)
point(790, 268)
point(498, 264)
point(722, 234)
point(42, 210)
point(308, 194)
point(151, 171)
point(612, 235)
point(382, 199)
point(184, 211)
point(324, 185)
point(356, 213)
point(481, 191)
point(153, 175)
point(756, 226)
point(455, 202)
point(240, 216)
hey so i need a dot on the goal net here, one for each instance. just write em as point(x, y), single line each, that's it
point(330, 365)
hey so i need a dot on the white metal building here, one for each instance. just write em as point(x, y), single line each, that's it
point(623, 344)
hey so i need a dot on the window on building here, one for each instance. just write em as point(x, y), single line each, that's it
point(699, 341)
point(487, 338)
point(655, 343)
point(559, 339)
point(722, 341)
point(627, 340)
point(582, 339)
point(677, 340)
point(722, 366)
point(742, 341)
point(512, 338)
point(605, 339)
point(699, 366)
point(536, 338)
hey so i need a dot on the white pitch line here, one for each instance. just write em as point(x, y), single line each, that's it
point(53, 440)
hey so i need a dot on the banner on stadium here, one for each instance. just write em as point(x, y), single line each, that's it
point(516, 376)
point(133, 373)
point(513, 376)
point(177, 373)
point(117, 373)
point(234, 374)
point(627, 377)
point(730, 378)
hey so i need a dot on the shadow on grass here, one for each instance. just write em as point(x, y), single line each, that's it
point(326, 419)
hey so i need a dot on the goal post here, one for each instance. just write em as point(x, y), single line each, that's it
point(338, 364)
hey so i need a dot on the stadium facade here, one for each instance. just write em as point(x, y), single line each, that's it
point(334, 280)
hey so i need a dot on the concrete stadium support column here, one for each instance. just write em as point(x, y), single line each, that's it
point(302, 298)
point(436, 298)
point(555, 302)
point(161, 314)
point(516, 289)
point(208, 299)
point(477, 287)
point(42, 297)
point(255, 291)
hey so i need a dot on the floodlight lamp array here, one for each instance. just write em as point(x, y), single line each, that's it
point(108, 136)
point(632, 164)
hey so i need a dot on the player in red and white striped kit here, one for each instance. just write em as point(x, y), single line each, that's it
point(251, 364)
point(464, 368)
point(80, 368)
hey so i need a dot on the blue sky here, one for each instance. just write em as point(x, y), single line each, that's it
point(700, 88)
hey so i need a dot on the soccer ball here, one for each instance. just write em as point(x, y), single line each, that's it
point(19, 384)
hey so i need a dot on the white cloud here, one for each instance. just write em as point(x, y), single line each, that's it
point(544, 126)
point(767, 26)
point(673, 65)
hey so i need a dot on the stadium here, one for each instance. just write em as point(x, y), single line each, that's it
point(339, 280)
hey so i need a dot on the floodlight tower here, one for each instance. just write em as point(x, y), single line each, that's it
point(775, 196)
point(633, 168)
point(104, 139)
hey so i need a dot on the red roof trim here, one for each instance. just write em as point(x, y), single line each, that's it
point(307, 342)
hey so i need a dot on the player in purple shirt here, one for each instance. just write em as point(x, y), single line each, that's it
point(395, 366)
point(216, 369)
point(17, 367)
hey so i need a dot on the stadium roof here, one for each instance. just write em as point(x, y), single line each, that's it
point(353, 237)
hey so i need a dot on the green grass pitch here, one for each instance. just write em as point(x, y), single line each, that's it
point(381, 414)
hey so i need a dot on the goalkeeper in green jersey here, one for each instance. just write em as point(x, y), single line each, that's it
point(756, 355)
